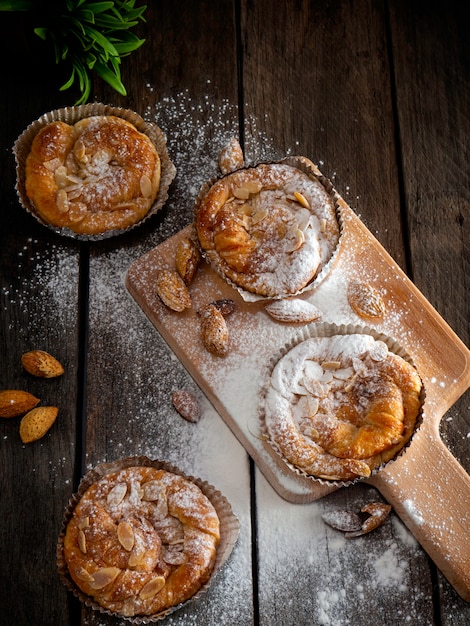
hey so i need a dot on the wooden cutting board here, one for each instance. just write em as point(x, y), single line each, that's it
point(427, 487)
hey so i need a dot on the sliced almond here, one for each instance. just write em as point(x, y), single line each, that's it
point(82, 574)
point(60, 177)
point(52, 164)
point(104, 576)
point(161, 508)
point(42, 364)
point(253, 186)
point(14, 402)
point(135, 558)
point(331, 365)
point(125, 535)
point(297, 239)
point(152, 490)
point(82, 541)
point(151, 588)
point(241, 192)
point(62, 201)
point(146, 186)
point(79, 149)
point(301, 199)
point(116, 494)
point(35, 424)
point(259, 216)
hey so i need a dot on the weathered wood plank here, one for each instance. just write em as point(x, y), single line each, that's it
point(129, 390)
point(39, 275)
point(327, 71)
point(431, 56)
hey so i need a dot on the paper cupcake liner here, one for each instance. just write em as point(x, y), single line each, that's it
point(229, 530)
point(307, 167)
point(325, 329)
point(71, 115)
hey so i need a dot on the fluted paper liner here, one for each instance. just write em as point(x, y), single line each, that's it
point(325, 329)
point(229, 530)
point(307, 167)
point(71, 115)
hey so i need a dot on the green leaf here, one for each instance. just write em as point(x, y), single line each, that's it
point(103, 41)
point(41, 32)
point(100, 7)
point(68, 83)
point(125, 48)
point(110, 77)
point(16, 5)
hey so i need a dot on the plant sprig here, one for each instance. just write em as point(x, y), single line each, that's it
point(89, 35)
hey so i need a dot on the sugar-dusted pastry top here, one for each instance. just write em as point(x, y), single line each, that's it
point(269, 228)
point(337, 407)
point(141, 540)
point(96, 175)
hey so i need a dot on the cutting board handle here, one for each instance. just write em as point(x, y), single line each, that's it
point(430, 491)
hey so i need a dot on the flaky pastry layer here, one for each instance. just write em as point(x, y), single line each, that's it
point(269, 229)
point(97, 175)
point(141, 540)
point(338, 407)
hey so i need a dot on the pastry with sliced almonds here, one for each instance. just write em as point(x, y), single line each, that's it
point(141, 540)
point(339, 407)
point(268, 229)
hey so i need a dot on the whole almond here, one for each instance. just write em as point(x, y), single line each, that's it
point(37, 422)
point(186, 404)
point(231, 157)
point(172, 290)
point(365, 300)
point(214, 331)
point(187, 259)
point(42, 364)
point(14, 402)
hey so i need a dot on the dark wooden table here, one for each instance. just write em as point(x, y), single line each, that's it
point(375, 93)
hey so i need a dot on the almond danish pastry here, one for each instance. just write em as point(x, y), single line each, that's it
point(337, 407)
point(268, 229)
point(141, 540)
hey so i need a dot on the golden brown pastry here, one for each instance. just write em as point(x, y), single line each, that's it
point(337, 407)
point(141, 540)
point(269, 229)
point(96, 175)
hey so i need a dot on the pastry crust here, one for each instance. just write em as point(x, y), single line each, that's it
point(337, 407)
point(96, 175)
point(268, 229)
point(141, 540)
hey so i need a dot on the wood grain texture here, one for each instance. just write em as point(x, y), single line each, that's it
point(377, 94)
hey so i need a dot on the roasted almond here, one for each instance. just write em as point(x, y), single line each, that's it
point(14, 402)
point(42, 364)
point(186, 404)
point(187, 259)
point(37, 422)
point(365, 300)
point(172, 290)
point(214, 331)
point(293, 310)
point(231, 157)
